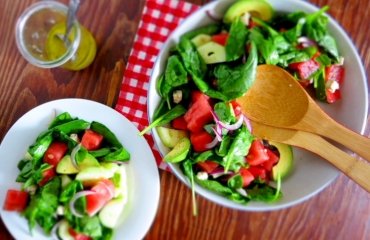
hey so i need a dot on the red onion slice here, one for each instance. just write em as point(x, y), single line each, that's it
point(54, 230)
point(234, 126)
point(306, 42)
point(74, 199)
point(73, 155)
point(213, 143)
point(247, 123)
point(219, 172)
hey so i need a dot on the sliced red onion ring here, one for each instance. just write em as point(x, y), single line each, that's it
point(74, 199)
point(54, 230)
point(73, 155)
point(234, 126)
point(213, 143)
point(306, 42)
point(247, 123)
point(219, 172)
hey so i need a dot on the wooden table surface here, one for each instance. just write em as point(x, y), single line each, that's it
point(341, 211)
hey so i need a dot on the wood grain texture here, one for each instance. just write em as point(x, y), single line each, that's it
point(341, 211)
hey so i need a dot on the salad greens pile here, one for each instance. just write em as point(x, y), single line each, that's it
point(72, 176)
point(215, 64)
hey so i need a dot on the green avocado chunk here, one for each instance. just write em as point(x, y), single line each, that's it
point(257, 8)
point(285, 164)
point(179, 152)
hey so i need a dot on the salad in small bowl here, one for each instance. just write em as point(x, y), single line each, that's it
point(77, 169)
point(210, 60)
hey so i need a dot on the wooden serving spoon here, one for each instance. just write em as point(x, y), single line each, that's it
point(277, 99)
point(356, 169)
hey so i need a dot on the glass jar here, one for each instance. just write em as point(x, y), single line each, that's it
point(40, 38)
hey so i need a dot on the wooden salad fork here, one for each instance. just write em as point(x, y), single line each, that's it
point(354, 168)
point(277, 99)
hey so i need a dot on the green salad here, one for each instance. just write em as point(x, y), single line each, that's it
point(198, 118)
point(73, 180)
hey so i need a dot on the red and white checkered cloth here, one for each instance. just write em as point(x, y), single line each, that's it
point(159, 19)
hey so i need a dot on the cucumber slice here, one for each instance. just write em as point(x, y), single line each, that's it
point(285, 164)
point(63, 232)
point(110, 215)
point(212, 52)
point(170, 137)
point(179, 152)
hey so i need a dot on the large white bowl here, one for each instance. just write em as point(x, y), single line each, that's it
point(311, 174)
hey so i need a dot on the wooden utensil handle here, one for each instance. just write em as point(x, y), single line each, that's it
point(356, 169)
point(355, 142)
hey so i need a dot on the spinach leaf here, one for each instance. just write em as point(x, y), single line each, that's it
point(218, 188)
point(38, 149)
point(70, 190)
point(60, 119)
point(235, 182)
point(329, 44)
point(161, 109)
point(224, 112)
point(224, 146)
point(43, 205)
point(193, 63)
point(233, 82)
point(238, 149)
point(175, 76)
point(121, 154)
point(108, 135)
point(187, 167)
point(73, 126)
point(206, 155)
point(235, 46)
point(263, 192)
point(173, 113)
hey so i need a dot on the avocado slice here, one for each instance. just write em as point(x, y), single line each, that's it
point(285, 164)
point(170, 137)
point(257, 8)
point(179, 152)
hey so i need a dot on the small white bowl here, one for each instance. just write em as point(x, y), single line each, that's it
point(311, 174)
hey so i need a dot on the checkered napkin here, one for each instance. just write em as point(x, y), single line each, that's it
point(159, 19)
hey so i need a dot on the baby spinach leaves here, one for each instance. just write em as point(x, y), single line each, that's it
point(235, 46)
